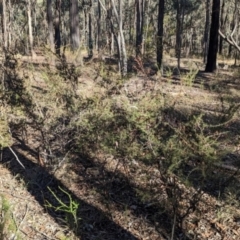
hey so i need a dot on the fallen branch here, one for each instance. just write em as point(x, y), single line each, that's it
point(14, 155)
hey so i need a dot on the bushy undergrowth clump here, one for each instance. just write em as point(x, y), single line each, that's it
point(146, 128)
point(119, 126)
point(8, 227)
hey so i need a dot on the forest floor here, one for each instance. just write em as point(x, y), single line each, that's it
point(120, 198)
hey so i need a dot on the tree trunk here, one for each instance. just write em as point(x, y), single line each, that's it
point(123, 47)
point(30, 31)
point(206, 31)
point(90, 34)
point(160, 33)
point(57, 21)
point(10, 21)
point(50, 25)
point(4, 26)
point(179, 28)
point(119, 37)
point(139, 26)
point(4, 38)
point(74, 25)
point(222, 23)
point(213, 43)
point(99, 29)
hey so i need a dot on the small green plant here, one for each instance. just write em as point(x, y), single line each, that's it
point(69, 209)
point(188, 78)
point(8, 225)
point(168, 72)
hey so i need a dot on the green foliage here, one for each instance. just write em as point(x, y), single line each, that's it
point(188, 78)
point(69, 209)
point(8, 225)
point(191, 141)
point(5, 136)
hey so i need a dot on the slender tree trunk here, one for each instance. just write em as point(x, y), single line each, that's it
point(50, 25)
point(90, 34)
point(4, 39)
point(206, 31)
point(119, 36)
point(213, 42)
point(232, 25)
point(57, 24)
point(10, 24)
point(230, 48)
point(179, 28)
point(139, 4)
point(30, 31)
point(131, 27)
point(147, 7)
point(99, 29)
point(221, 26)
point(74, 25)
point(161, 4)
point(4, 26)
point(123, 47)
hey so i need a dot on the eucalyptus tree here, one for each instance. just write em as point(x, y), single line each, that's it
point(231, 34)
point(121, 39)
point(206, 30)
point(4, 24)
point(114, 11)
point(74, 25)
point(161, 5)
point(182, 8)
point(223, 19)
point(139, 4)
point(99, 27)
point(211, 65)
point(50, 25)
point(57, 24)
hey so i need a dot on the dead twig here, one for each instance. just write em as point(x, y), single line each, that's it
point(15, 155)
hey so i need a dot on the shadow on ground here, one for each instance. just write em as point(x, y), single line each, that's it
point(94, 224)
point(114, 188)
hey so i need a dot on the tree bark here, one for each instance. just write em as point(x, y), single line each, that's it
point(74, 25)
point(90, 34)
point(99, 29)
point(4, 25)
point(222, 24)
point(50, 25)
point(179, 28)
point(139, 4)
point(57, 21)
point(123, 47)
point(30, 31)
point(206, 31)
point(213, 42)
point(161, 4)
point(4, 39)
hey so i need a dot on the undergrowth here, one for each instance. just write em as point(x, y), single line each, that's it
point(8, 226)
point(146, 127)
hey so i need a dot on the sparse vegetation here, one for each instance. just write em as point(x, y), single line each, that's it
point(133, 123)
point(118, 122)
point(69, 209)
point(8, 226)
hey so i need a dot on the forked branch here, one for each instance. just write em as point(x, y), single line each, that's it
point(230, 39)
